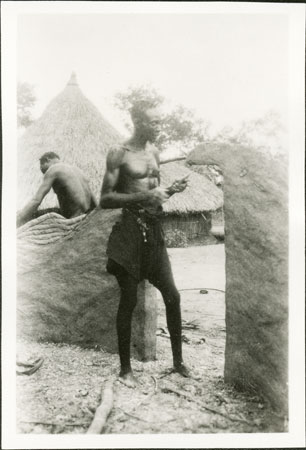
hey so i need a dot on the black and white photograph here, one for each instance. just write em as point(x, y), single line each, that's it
point(153, 224)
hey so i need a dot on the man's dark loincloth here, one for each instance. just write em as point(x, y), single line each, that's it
point(141, 252)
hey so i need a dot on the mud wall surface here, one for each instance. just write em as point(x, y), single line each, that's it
point(65, 294)
point(256, 246)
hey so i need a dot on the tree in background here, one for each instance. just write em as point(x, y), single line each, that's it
point(26, 100)
point(180, 128)
point(266, 133)
point(182, 131)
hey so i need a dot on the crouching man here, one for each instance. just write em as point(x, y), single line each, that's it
point(69, 184)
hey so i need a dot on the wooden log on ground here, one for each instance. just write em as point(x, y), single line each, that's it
point(103, 410)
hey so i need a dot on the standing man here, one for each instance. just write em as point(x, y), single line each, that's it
point(136, 247)
point(69, 184)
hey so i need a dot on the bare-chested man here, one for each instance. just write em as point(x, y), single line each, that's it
point(136, 247)
point(69, 184)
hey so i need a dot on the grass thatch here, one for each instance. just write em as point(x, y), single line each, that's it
point(73, 127)
point(200, 195)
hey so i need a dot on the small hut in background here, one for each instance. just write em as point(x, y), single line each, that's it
point(74, 128)
point(190, 212)
point(214, 174)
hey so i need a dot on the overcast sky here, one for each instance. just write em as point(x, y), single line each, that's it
point(227, 67)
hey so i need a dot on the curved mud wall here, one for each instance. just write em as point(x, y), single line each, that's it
point(66, 295)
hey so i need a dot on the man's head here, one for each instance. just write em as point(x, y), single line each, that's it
point(147, 120)
point(47, 160)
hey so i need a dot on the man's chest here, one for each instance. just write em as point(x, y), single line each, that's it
point(140, 165)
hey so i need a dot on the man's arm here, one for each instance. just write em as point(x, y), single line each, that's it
point(26, 213)
point(112, 199)
point(178, 185)
point(93, 202)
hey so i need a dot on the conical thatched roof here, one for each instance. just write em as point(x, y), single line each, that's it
point(200, 195)
point(72, 127)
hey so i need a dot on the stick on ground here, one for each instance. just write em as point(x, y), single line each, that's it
point(56, 424)
point(169, 388)
point(103, 410)
point(30, 368)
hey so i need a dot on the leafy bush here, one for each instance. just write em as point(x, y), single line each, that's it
point(180, 128)
point(26, 100)
point(176, 238)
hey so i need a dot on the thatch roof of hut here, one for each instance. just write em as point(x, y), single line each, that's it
point(74, 128)
point(200, 195)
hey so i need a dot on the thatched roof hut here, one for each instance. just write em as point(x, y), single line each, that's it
point(201, 194)
point(74, 128)
point(188, 215)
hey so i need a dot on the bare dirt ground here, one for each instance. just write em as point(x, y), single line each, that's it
point(62, 396)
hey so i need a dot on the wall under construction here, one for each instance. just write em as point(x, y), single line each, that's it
point(64, 292)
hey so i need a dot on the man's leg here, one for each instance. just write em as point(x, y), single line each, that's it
point(128, 300)
point(165, 283)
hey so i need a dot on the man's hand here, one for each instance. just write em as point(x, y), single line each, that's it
point(178, 185)
point(157, 196)
point(27, 212)
point(153, 199)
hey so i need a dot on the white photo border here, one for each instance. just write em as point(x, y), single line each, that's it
point(296, 435)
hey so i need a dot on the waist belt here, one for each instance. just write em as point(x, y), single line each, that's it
point(143, 219)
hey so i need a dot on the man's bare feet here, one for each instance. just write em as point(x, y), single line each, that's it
point(182, 370)
point(128, 379)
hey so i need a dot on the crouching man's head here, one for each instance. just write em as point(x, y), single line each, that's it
point(47, 160)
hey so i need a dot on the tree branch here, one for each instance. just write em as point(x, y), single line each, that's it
point(174, 158)
point(103, 410)
point(170, 388)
